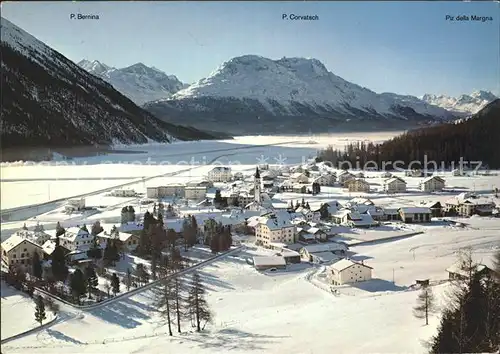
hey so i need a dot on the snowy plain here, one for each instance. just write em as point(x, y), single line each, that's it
point(288, 312)
point(284, 312)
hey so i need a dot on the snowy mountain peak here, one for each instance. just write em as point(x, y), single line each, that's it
point(464, 104)
point(138, 82)
point(305, 81)
point(95, 66)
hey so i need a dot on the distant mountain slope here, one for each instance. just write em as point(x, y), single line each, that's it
point(467, 104)
point(475, 139)
point(138, 82)
point(257, 94)
point(49, 101)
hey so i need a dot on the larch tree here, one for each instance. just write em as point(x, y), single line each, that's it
point(425, 304)
point(197, 304)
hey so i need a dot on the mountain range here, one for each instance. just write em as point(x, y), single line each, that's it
point(49, 101)
point(468, 104)
point(138, 82)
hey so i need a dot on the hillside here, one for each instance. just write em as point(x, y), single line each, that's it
point(138, 82)
point(475, 139)
point(48, 101)
point(260, 95)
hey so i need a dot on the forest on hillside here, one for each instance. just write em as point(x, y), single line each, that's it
point(474, 139)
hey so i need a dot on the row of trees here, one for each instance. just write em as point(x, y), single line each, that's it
point(472, 140)
point(297, 205)
point(178, 301)
point(470, 323)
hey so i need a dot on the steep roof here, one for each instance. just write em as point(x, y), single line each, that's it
point(346, 263)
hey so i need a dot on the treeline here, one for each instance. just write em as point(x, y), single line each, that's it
point(471, 321)
point(475, 139)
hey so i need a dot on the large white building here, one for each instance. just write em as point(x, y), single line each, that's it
point(394, 185)
point(347, 271)
point(276, 227)
point(467, 205)
point(220, 174)
point(432, 184)
point(166, 191)
point(76, 238)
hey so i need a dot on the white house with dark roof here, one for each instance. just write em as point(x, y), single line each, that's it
point(395, 185)
point(220, 174)
point(432, 184)
point(347, 271)
point(76, 238)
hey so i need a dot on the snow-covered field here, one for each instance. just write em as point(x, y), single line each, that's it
point(26, 183)
point(286, 312)
point(18, 312)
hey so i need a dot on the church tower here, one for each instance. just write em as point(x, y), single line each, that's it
point(257, 186)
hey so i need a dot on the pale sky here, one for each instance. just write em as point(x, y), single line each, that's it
point(405, 48)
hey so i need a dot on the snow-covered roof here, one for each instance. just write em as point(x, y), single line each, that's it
point(221, 169)
point(326, 256)
point(14, 241)
point(430, 178)
point(415, 210)
point(49, 247)
point(269, 260)
point(325, 247)
point(346, 263)
point(122, 236)
point(394, 179)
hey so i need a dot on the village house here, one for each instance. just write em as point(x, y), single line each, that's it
point(468, 205)
point(391, 214)
point(123, 193)
point(325, 179)
point(308, 234)
point(347, 271)
point(18, 251)
point(377, 213)
point(74, 205)
point(344, 177)
point(275, 228)
point(38, 235)
point(220, 174)
point(395, 185)
point(299, 188)
point(299, 177)
point(432, 184)
point(352, 218)
point(195, 192)
point(457, 172)
point(456, 271)
point(128, 241)
point(415, 214)
point(169, 190)
point(270, 262)
point(414, 173)
point(357, 185)
point(308, 214)
point(323, 253)
point(435, 207)
point(76, 238)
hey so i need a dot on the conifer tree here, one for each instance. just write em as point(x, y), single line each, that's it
point(78, 285)
point(58, 265)
point(425, 304)
point(91, 280)
point(115, 284)
point(36, 265)
point(40, 315)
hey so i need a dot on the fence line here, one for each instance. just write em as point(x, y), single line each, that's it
point(29, 331)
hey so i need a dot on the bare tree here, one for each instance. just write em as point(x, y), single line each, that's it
point(107, 287)
point(164, 298)
point(180, 301)
point(197, 303)
point(425, 304)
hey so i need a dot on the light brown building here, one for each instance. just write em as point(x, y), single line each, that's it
point(18, 251)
